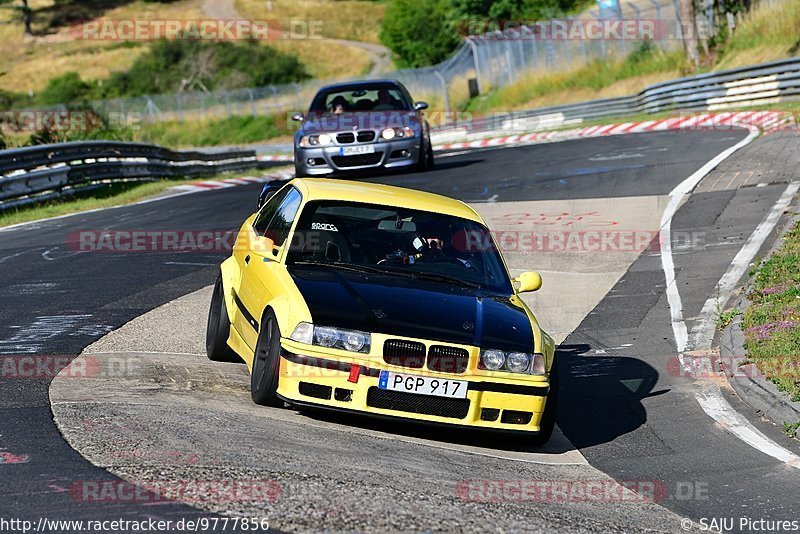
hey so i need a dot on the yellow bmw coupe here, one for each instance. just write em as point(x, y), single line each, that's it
point(385, 301)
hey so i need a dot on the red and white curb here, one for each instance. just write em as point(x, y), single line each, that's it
point(275, 157)
point(766, 121)
point(209, 185)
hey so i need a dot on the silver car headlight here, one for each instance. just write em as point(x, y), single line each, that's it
point(515, 362)
point(387, 134)
point(316, 140)
point(330, 337)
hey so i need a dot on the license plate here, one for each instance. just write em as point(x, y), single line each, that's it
point(423, 385)
point(356, 150)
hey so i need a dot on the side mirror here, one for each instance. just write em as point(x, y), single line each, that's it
point(264, 247)
point(297, 117)
point(528, 281)
point(419, 106)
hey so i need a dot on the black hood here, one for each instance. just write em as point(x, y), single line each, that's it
point(401, 306)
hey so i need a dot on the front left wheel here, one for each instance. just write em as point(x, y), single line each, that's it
point(266, 363)
point(219, 327)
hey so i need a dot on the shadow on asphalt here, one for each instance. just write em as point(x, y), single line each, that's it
point(372, 175)
point(601, 396)
point(512, 442)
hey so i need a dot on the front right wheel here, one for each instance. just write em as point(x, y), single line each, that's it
point(548, 422)
point(266, 363)
point(425, 161)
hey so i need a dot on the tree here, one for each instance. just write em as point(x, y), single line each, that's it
point(419, 32)
point(25, 13)
point(689, 31)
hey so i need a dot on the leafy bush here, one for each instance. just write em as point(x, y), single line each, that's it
point(171, 66)
point(64, 89)
point(419, 32)
point(424, 32)
point(227, 131)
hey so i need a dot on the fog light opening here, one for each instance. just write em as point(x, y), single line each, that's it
point(343, 395)
point(490, 414)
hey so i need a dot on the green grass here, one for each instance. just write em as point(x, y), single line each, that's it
point(113, 195)
point(772, 322)
point(724, 317)
point(238, 130)
point(592, 77)
point(213, 132)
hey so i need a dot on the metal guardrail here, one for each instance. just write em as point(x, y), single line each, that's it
point(766, 83)
point(35, 173)
point(43, 172)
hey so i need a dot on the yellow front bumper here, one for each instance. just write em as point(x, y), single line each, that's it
point(327, 380)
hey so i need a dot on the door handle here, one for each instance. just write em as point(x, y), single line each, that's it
point(247, 260)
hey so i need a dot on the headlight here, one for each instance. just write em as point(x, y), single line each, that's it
point(516, 362)
point(355, 341)
point(327, 336)
point(316, 140)
point(493, 359)
point(391, 133)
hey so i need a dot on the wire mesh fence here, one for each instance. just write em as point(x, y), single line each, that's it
point(482, 63)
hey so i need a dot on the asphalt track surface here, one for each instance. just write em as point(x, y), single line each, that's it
point(633, 419)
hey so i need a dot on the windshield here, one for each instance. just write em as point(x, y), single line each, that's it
point(378, 97)
point(398, 242)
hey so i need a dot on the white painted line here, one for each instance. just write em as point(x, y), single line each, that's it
point(715, 405)
point(676, 197)
point(703, 332)
point(709, 396)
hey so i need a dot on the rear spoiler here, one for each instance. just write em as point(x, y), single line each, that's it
point(270, 188)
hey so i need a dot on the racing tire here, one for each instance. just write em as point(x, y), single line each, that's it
point(548, 422)
point(266, 363)
point(297, 173)
point(425, 162)
point(219, 328)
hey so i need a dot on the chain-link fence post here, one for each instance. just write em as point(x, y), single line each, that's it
point(477, 61)
point(444, 92)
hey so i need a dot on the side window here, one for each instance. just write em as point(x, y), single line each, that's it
point(268, 210)
point(281, 223)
